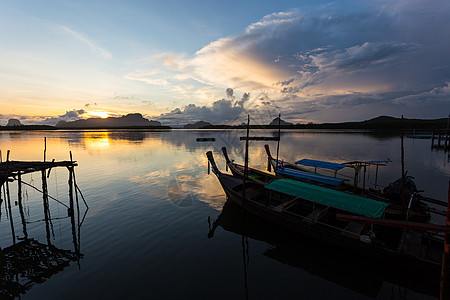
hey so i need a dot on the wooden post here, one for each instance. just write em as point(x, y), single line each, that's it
point(403, 171)
point(279, 138)
point(446, 141)
point(22, 215)
point(432, 139)
point(364, 180)
point(439, 140)
point(446, 132)
point(71, 209)
point(10, 214)
point(45, 147)
point(445, 284)
point(45, 204)
point(77, 245)
point(376, 178)
point(246, 160)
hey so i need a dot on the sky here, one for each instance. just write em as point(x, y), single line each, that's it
point(181, 61)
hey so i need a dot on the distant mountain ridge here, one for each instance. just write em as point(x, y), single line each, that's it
point(14, 122)
point(378, 123)
point(130, 120)
point(385, 123)
point(198, 125)
point(277, 121)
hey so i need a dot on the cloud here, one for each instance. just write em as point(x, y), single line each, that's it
point(70, 115)
point(80, 37)
point(307, 57)
point(229, 92)
point(222, 111)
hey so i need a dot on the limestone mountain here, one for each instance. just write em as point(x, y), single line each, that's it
point(198, 125)
point(130, 120)
point(276, 121)
point(14, 122)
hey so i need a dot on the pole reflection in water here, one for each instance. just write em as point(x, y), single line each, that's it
point(359, 274)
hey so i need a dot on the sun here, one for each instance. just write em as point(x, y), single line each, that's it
point(101, 114)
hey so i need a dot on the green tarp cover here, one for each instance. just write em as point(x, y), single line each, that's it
point(329, 197)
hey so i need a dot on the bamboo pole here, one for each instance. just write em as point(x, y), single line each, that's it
point(45, 204)
point(244, 237)
point(10, 214)
point(432, 139)
point(279, 138)
point(403, 171)
point(71, 210)
point(445, 284)
point(78, 205)
point(45, 147)
point(245, 162)
point(22, 215)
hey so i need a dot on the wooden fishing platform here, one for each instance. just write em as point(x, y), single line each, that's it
point(9, 170)
point(28, 261)
point(12, 168)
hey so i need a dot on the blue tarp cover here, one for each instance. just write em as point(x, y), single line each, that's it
point(310, 176)
point(329, 197)
point(320, 164)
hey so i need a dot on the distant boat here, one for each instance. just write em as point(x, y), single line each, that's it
point(421, 136)
point(313, 211)
point(205, 139)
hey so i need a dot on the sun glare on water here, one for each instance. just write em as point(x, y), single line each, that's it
point(101, 114)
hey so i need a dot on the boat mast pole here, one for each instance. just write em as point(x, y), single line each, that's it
point(246, 160)
point(403, 170)
point(279, 137)
point(445, 286)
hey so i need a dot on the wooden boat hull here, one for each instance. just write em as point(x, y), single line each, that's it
point(312, 231)
point(256, 201)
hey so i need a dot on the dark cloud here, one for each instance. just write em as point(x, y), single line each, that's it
point(223, 111)
point(244, 99)
point(287, 82)
point(70, 115)
point(229, 92)
point(431, 103)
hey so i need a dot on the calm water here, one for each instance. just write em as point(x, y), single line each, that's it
point(147, 236)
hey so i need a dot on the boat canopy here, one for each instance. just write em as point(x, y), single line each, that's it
point(329, 197)
point(310, 176)
point(320, 164)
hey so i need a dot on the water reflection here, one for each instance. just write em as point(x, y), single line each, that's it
point(150, 196)
point(357, 273)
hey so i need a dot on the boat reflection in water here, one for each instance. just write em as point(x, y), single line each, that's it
point(358, 273)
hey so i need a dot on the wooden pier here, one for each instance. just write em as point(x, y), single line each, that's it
point(440, 140)
point(29, 261)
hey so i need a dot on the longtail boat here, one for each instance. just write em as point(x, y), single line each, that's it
point(311, 210)
point(282, 172)
point(419, 211)
point(275, 164)
point(252, 174)
point(289, 170)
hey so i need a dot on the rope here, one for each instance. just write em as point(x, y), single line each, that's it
point(43, 192)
